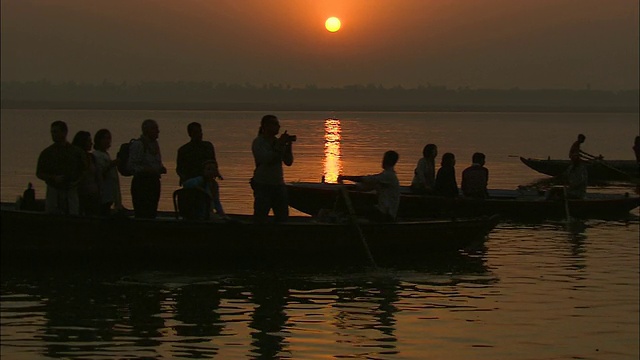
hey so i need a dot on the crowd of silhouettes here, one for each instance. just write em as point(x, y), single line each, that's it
point(82, 178)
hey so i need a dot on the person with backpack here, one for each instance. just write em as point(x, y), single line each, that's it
point(145, 163)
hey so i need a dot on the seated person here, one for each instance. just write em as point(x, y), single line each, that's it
point(387, 187)
point(446, 184)
point(424, 177)
point(475, 178)
point(207, 183)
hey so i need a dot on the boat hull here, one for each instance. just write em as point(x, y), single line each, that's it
point(611, 170)
point(30, 235)
point(310, 198)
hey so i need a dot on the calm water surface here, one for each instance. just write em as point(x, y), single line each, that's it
point(537, 291)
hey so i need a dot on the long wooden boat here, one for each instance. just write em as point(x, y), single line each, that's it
point(28, 235)
point(310, 198)
point(609, 170)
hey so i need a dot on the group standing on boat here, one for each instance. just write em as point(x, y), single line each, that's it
point(84, 182)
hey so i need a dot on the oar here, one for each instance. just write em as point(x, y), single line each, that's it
point(566, 205)
point(601, 162)
point(354, 221)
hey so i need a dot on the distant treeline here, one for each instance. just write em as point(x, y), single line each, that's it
point(223, 96)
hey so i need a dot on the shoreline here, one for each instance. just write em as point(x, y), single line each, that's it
point(285, 106)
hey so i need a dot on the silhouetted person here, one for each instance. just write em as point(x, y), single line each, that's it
point(424, 178)
point(207, 184)
point(146, 165)
point(386, 185)
point(475, 178)
point(107, 168)
point(193, 154)
point(269, 153)
point(636, 148)
point(91, 181)
point(61, 166)
point(577, 178)
point(28, 198)
point(575, 149)
point(446, 184)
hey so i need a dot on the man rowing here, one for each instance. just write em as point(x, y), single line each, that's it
point(575, 150)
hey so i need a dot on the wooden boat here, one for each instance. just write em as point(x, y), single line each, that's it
point(609, 170)
point(28, 235)
point(310, 198)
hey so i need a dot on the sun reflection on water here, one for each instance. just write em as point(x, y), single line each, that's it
point(332, 151)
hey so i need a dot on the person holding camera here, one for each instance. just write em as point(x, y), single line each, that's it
point(269, 153)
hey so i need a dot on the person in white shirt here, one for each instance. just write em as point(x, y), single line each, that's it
point(424, 178)
point(386, 185)
point(107, 168)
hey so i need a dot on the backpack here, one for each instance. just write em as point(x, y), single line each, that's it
point(123, 158)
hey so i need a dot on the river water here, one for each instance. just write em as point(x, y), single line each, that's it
point(536, 291)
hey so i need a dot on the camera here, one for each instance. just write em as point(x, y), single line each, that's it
point(290, 138)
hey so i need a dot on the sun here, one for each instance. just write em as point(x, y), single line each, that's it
point(332, 24)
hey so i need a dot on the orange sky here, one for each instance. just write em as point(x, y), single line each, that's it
point(476, 43)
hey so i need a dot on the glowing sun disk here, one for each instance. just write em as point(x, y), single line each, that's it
point(332, 24)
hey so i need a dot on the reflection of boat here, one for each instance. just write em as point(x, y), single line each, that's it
point(302, 239)
point(310, 198)
point(597, 170)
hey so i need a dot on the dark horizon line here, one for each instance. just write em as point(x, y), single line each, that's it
point(309, 86)
point(253, 106)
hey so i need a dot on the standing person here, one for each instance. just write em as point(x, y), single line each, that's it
point(475, 178)
point(146, 165)
point(90, 182)
point(61, 165)
point(387, 187)
point(577, 178)
point(269, 153)
point(424, 177)
point(107, 168)
point(636, 148)
point(446, 184)
point(193, 154)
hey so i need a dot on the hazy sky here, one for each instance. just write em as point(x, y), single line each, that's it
point(476, 43)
